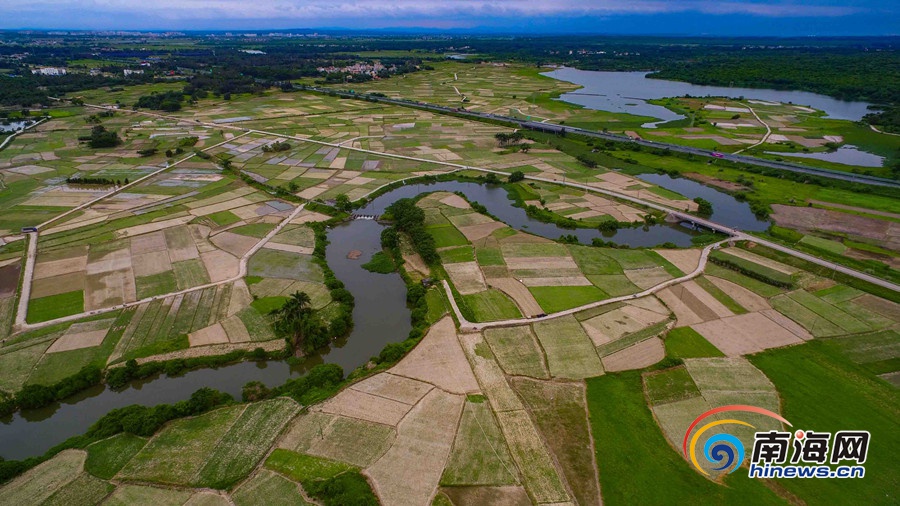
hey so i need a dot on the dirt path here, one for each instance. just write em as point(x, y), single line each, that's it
point(765, 137)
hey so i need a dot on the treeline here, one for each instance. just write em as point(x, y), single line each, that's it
point(409, 219)
point(103, 181)
point(139, 420)
point(39, 396)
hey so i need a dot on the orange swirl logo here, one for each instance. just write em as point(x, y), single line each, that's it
point(722, 450)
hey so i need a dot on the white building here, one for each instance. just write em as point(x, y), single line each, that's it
point(49, 71)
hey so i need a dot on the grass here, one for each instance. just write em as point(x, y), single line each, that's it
point(155, 284)
point(491, 305)
point(539, 474)
point(720, 295)
point(670, 385)
point(246, 443)
point(127, 495)
point(265, 305)
point(638, 466)
point(553, 299)
point(223, 218)
point(814, 242)
point(381, 263)
point(43, 480)
point(666, 194)
point(823, 390)
point(570, 352)
point(479, 455)
point(815, 324)
point(461, 254)
point(761, 272)
point(534, 249)
point(594, 260)
point(878, 352)
point(268, 488)
point(437, 304)
point(754, 285)
point(85, 489)
point(685, 342)
point(190, 273)
point(176, 454)
point(489, 256)
point(300, 467)
point(446, 236)
point(108, 457)
point(17, 362)
point(614, 285)
point(270, 263)
point(831, 313)
point(257, 230)
point(55, 306)
point(558, 410)
point(516, 351)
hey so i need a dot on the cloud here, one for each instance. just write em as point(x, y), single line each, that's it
point(312, 11)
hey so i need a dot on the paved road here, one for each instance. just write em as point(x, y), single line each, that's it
point(553, 128)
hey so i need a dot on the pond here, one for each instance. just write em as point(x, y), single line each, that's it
point(380, 315)
point(845, 155)
point(12, 126)
point(627, 92)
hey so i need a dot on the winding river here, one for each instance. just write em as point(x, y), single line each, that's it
point(380, 315)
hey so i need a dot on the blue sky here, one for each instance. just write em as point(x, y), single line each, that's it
point(723, 17)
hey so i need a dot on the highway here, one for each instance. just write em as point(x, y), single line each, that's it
point(549, 127)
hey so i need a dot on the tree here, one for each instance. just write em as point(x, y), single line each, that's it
point(342, 202)
point(704, 207)
point(516, 176)
point(300, 324)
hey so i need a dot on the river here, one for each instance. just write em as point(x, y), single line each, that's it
point(627, 92)
point(380, 315)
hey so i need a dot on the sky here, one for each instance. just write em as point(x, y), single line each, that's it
point(692, 17)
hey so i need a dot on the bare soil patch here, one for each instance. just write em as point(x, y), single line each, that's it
point(685, 259)
point(365, 406)
point(56, 285)
point(455, 201)
point(477, 232)
point(391, 386)
point(746, 298)
point(540, 263)
point(214, 334)
point(235, 244)
point(220, 265)
point(109, 289)
point(638, 356)
point(423, 443)
point(519, 293)
point(881, 306)
point(154, 241)
point(438, 359)
point(558, 281)
point(718, 183)
point(745, 334)
point(496, 496)
point(647, 278)
point(154, 262)
point(82, 335)
point(467, 277)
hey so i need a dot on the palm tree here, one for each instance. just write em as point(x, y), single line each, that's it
point(292, 317)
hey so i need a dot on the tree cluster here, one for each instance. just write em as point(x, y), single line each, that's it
point(409, 219)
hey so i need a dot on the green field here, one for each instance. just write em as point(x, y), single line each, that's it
point(517, 351)
point(107, 457)
point(570, 352)
point(447, 236)
point(491, 305)
point(636, 463)
point(559, 412)
point(669, 385)
point(685, 342)
point(55, 306)
point(822, 390)
point(479, 455)
point(553, 299)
